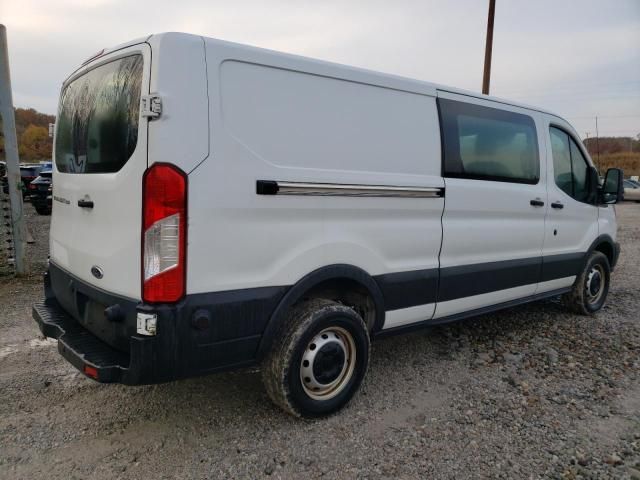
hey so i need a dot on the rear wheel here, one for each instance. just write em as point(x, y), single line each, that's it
point(591, 287)
point(40, 210)
point(318, 360)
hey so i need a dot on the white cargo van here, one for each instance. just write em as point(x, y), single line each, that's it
point(218, 206)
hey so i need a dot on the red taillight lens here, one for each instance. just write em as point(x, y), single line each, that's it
point(164, 233)
point(90, 371)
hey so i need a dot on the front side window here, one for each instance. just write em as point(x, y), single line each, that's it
point(488, 143)
point(97, 125)
point(560, 150)
point(579, 166)
point(570, 167)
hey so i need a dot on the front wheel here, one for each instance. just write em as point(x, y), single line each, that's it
point(318, 360)
point(591, 287)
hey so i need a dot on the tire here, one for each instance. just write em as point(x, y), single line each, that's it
point(324, 384)
point(587, 297)
point(43, 210)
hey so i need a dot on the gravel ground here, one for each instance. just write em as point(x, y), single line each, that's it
point(530, 392)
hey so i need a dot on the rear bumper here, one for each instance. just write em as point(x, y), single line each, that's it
point(80, 348)
point(111, 351)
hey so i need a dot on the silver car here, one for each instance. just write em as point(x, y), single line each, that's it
point(631, 190)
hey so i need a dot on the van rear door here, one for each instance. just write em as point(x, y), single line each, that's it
point(99, 161)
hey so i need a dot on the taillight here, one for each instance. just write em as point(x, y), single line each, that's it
point(164, 233)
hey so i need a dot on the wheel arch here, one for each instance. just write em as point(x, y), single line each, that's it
point(342, 282)
point(606, 245)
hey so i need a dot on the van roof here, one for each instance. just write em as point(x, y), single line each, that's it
point(391, 78)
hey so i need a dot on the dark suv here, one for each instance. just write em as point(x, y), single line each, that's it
point(28, 173)
point(40, 192)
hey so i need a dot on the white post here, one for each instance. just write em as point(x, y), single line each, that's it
point(13, 162)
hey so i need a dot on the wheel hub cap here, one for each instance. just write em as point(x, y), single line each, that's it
point(327, 363)
point(594, 286)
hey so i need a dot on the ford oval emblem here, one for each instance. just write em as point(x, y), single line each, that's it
point(97, 272)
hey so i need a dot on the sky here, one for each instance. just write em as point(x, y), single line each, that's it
point(578, 58)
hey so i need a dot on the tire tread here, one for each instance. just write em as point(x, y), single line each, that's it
point(275, 367)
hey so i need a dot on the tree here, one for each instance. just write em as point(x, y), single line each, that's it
point(35, 144)
point(25, 118)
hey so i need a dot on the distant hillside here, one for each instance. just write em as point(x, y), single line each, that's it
point(620, 152)
point(32, 129)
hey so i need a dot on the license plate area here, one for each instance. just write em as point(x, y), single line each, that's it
point(110, 318)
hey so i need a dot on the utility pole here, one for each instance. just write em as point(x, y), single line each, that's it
point(587, 143)
point(11, 152)
point(597, 143)
point(488, 48)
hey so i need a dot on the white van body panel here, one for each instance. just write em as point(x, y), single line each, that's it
point(576, 225)
point(285, 118)
point(491, 221)
point(607, 221)
point(108, 235)
point(180, 135)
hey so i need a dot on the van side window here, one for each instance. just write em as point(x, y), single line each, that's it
point(485, 143)
point(569, 165)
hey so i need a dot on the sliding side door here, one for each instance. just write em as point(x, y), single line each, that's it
point(493, 222)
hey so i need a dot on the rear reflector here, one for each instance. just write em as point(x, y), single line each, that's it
point(164, 221)
point(90, 371)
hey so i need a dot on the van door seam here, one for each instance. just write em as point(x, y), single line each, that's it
point(206, 73)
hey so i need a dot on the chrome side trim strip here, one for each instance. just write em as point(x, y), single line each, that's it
point(271, 187)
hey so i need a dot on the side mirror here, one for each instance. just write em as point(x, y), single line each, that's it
point(612, 190)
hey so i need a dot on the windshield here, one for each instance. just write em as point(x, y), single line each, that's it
point(97, 125)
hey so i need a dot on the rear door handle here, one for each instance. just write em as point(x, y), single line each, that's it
point(85, 203)
point(557, 205)
point(537, 203)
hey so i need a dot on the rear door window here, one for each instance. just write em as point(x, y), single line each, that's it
point(97, 125)
point(487, 143)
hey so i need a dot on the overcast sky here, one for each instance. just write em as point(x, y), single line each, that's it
point(579, 58)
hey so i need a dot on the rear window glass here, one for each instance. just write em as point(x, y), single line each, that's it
point(486, 143)
point(97, 125)
point(29, 172)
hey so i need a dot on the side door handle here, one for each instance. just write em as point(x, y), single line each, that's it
point(557, 205)
point(85, 203)
point(537, 202)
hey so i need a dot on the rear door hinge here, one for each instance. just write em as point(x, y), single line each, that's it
point(151, 106)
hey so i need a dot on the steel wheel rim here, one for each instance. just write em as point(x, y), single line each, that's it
point(322, 375)
point(594, 286)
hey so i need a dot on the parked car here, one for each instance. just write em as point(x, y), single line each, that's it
point(631, 190)
point(41, 192)
point(28, 173)
point(312, 196)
